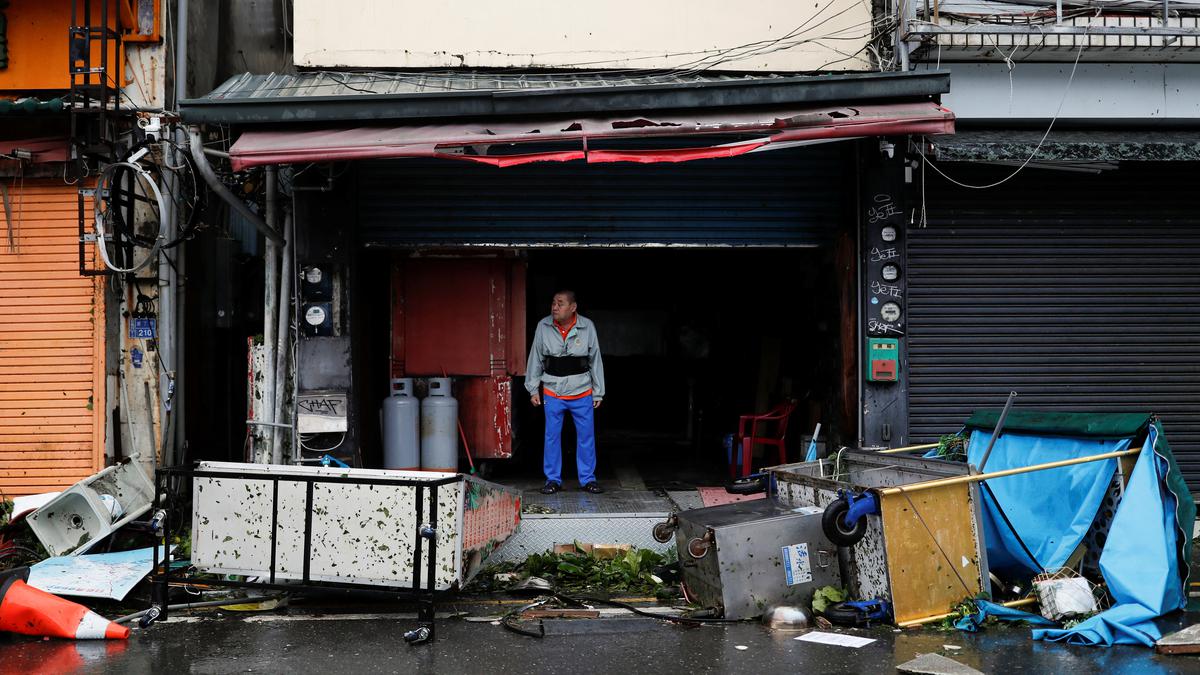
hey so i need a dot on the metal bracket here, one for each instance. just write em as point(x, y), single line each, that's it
point(860, 506)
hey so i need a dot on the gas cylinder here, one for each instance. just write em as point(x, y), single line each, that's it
point(439, 427)
point(401, 436)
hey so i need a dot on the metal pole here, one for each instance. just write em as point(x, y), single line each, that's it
point(1023, 602)
point(908, 448)
point(980, 477)
point(266, 407)
point(167, 285)
point(180, 325)
point(281, 339)
point(1012, 395)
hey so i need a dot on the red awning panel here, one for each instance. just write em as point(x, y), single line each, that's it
point(473, 140)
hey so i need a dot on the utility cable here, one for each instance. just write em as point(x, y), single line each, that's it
point(1032, 155)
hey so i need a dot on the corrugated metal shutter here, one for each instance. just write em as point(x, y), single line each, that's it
point(795, 197)
point(51, 349)
point(1080, 293)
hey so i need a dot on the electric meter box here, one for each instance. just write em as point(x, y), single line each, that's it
point(883, 358)
point(316, 318)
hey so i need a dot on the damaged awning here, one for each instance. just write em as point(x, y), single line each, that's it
point(38, 150)
point(514, 142)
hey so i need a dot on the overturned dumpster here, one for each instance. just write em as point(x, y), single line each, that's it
point(418, 534)
point(919, 552)
point(828, 523)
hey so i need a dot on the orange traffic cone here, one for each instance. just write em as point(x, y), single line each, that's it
point(30, 611)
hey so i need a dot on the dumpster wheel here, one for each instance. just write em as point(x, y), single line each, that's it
point(835, 529)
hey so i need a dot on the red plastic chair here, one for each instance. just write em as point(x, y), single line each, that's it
point(776, 417)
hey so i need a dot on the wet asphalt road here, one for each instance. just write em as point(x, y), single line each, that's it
point(370, 643)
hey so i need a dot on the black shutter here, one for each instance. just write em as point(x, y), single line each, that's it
point(797, 197)
point(1080, 292)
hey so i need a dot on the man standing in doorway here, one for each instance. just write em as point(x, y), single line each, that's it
point(564, 364)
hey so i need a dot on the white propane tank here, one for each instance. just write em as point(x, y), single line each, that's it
point(439, 427)
point(401, 437)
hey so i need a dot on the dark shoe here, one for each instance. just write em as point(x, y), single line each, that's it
point(551, 487)
point(593, 488)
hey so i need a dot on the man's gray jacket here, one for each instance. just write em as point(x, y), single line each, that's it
point(580, 341)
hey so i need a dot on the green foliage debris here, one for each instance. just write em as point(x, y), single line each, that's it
point(580, 572)
point(952, 447)
point(826, 596)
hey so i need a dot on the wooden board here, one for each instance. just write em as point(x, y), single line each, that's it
point(1186, 641)
point(932, 551)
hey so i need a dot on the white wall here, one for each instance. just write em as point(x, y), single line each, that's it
point(1145, 93)
point(641, 34)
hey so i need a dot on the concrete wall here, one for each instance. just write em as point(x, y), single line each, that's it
point(752, 35)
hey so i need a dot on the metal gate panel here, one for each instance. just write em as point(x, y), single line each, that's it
point(1078, 292)
point(51, 344)
point(796, 197)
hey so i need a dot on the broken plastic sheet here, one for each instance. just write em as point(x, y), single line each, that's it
point(1140, 561)
point(102, 575)
point(1033, 521)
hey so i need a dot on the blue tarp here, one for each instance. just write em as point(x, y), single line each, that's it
point(1139, 561)
point(1034, 521)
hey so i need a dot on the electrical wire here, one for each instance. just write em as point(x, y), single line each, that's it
point(1032, 155)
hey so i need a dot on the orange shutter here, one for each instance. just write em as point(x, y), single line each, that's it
point(51, 344)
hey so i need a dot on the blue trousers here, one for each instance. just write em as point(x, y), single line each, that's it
point(585, 437)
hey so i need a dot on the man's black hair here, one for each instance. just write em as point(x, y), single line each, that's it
point(570, 295)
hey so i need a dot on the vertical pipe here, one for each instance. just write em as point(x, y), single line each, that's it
point(295, 444)
point(282, 339)
point(181, 52)
point(167, 284)
point(181, 140)
point(265, 407)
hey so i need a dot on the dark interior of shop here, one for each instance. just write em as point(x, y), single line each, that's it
point(691, 339)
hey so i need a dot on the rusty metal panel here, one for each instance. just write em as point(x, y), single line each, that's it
point(51, 345)
point(933, 552)
point(447, 327)
point(485, 409)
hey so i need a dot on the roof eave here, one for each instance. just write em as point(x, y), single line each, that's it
point(490, 103)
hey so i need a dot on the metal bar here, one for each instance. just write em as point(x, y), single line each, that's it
point(980, 477)
point(399, 482)
point(274, 522)
point(416, 581)
point(1066, 29)
point(308, 504)
point(908, 448)
point(430, 583)
point(1012, 395)
point(1023, 602)
point(399, 591)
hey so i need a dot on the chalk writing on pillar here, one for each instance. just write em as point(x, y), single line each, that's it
point(877, 327)
point(883, 209)
point(882, 254)
point(888, 290)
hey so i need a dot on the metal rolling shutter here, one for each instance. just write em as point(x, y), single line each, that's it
point(797, 197)
point(1078, 292)
point(51, 345)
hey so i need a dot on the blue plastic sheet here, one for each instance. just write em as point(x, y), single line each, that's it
point(1034, 521)
point(1139, 562)
point(984, 609)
